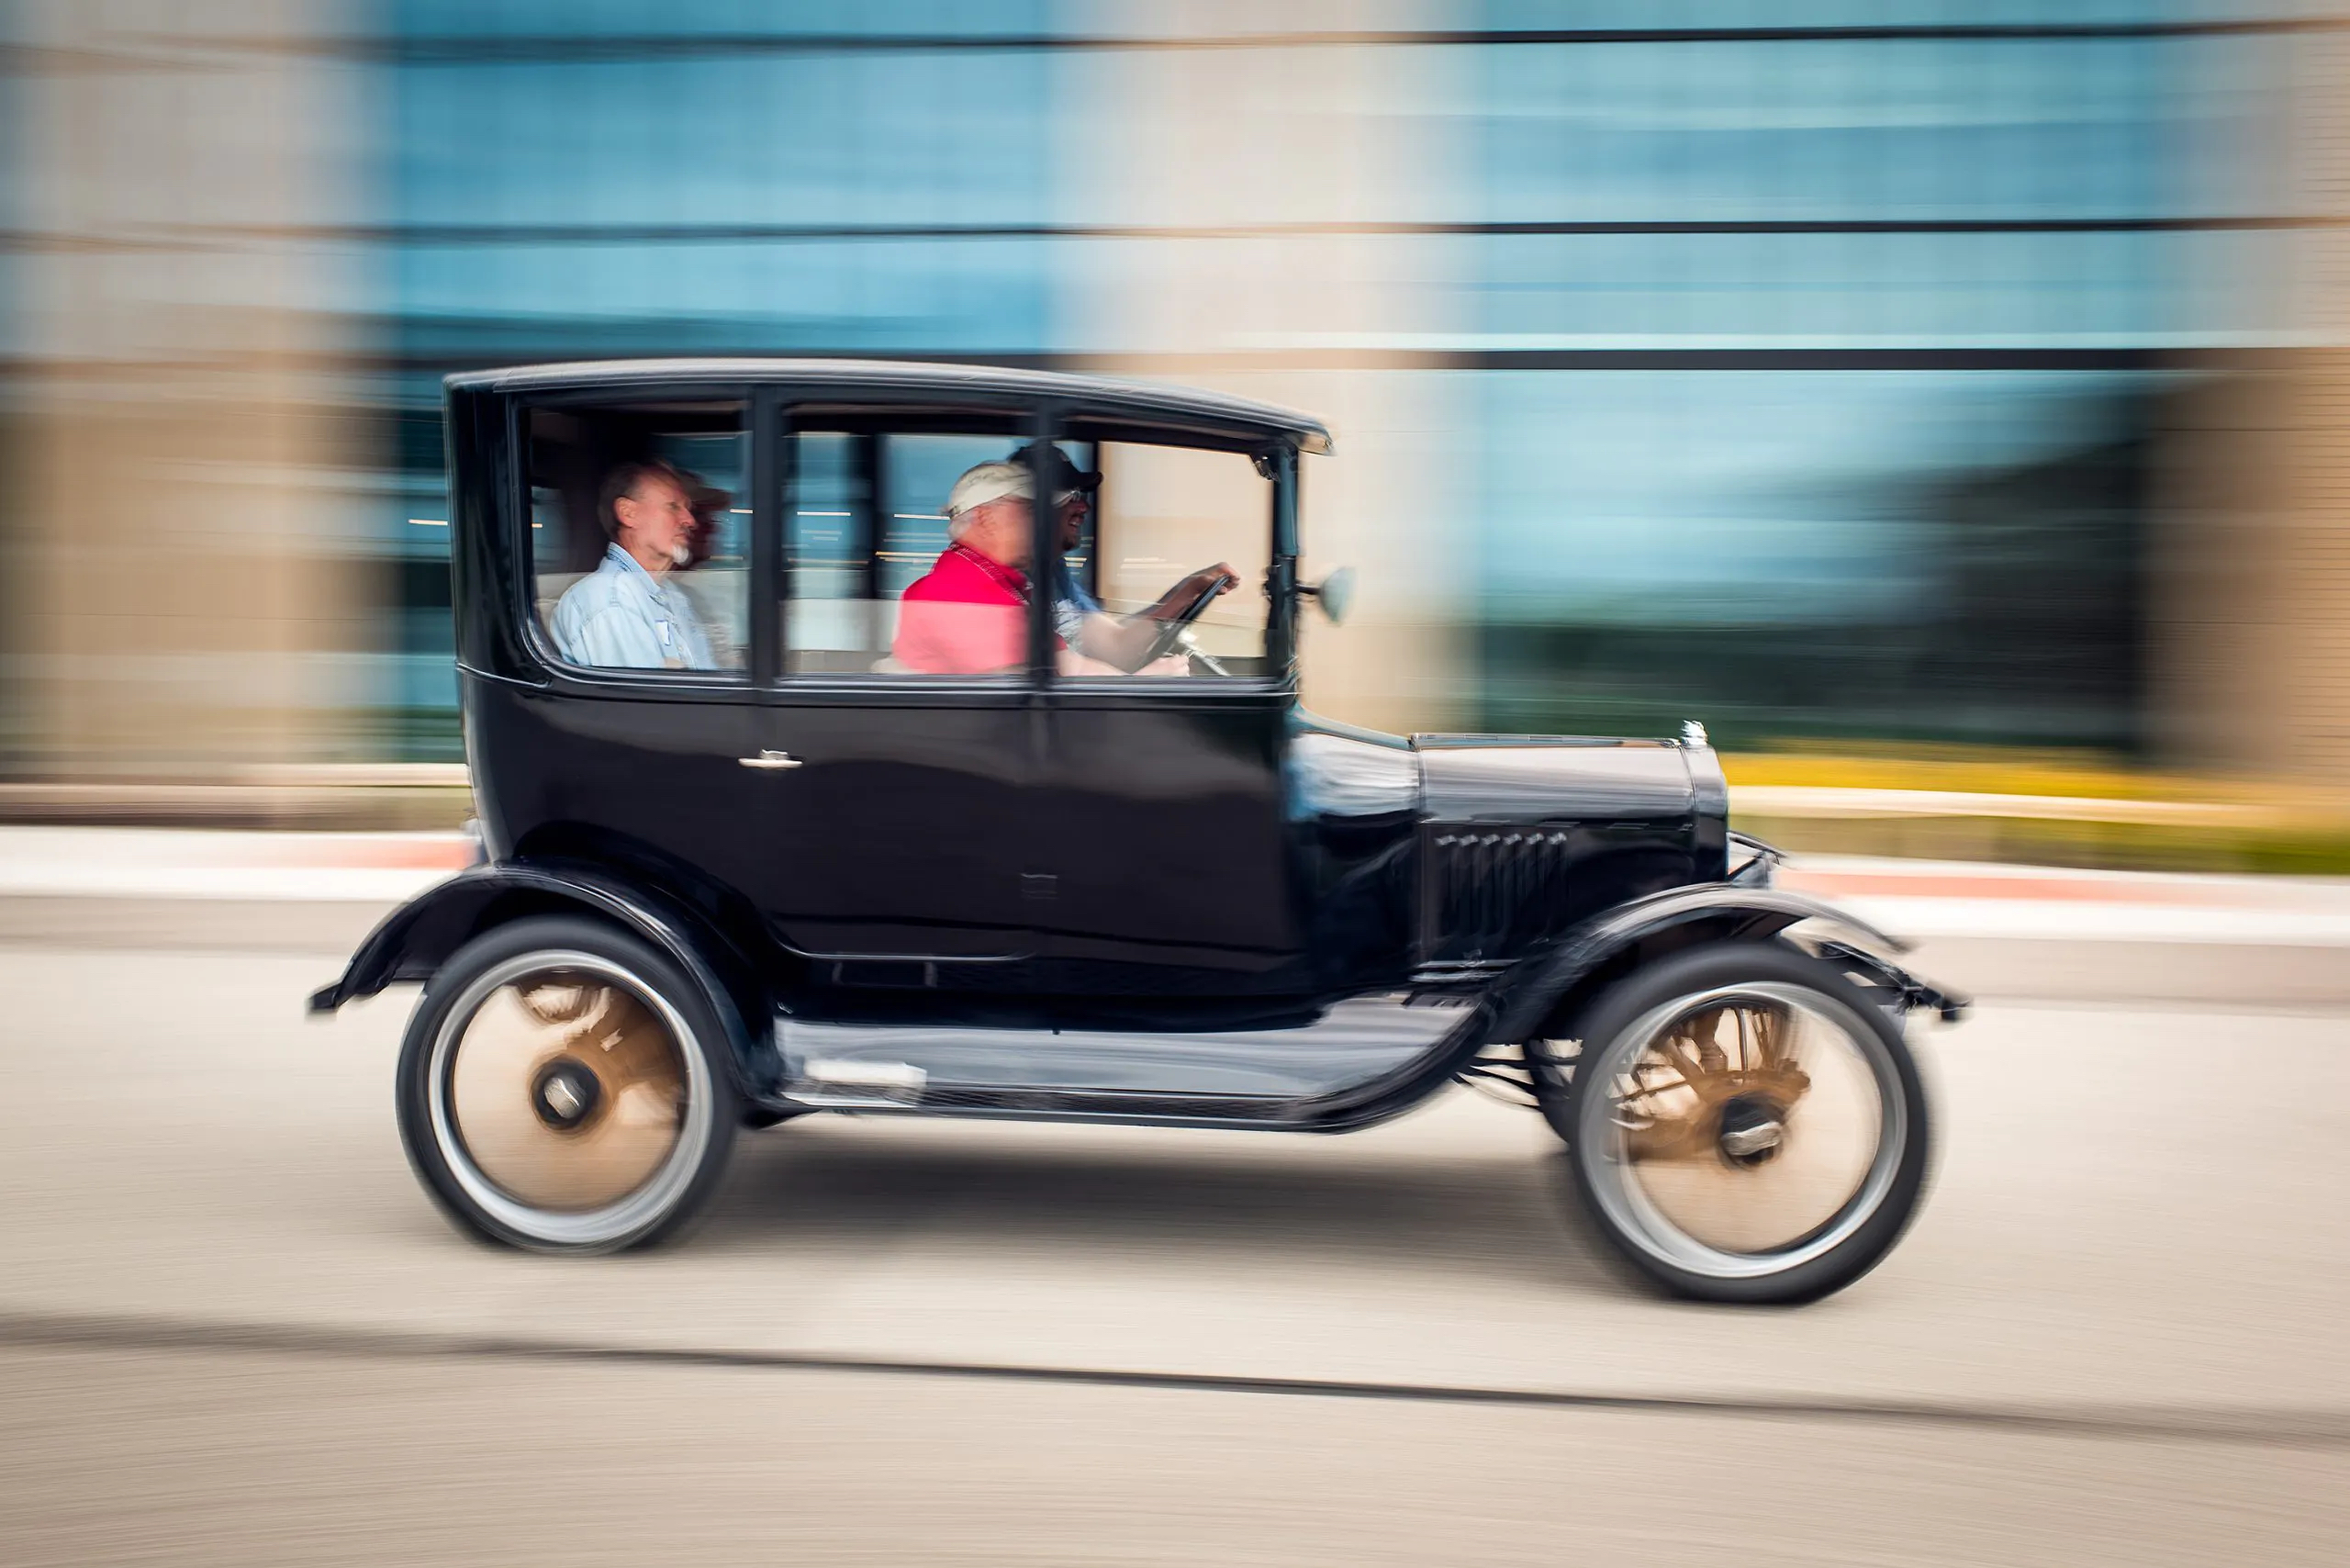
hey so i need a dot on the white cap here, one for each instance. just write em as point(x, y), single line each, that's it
point(985, 482)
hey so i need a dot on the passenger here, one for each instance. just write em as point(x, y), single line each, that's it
point(623, 615)
point(718, 598)
point(967, 615)
point(708, 503)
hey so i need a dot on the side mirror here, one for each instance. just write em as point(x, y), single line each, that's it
point(1333, 593)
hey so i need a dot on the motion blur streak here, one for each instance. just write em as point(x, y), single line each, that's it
point(1961, 380)
point(1957, 375)
point(211, 1220)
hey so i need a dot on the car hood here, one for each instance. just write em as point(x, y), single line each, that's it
point(1536, 778)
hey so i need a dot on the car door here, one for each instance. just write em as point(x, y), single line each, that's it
point(900, 808)
point(1169, 845)
point(615, 753)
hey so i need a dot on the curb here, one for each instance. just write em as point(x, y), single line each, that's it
point(1996, 931)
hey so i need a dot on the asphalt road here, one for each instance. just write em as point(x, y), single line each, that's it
point(233, 1330)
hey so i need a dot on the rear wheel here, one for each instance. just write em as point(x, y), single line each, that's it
point(561, 1089)
point(1743, 1123)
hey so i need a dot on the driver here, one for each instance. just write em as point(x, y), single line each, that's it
point(1077, 616)
point(967, 615)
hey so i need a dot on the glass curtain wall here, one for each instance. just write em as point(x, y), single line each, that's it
point(15, 344)
point(1805, 358)
point(582, 181)
point(1820, 361)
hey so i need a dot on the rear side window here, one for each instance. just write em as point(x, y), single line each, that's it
point(640, 535)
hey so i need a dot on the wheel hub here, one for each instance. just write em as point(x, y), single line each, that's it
point(1706, 1105)
point(1751, 1131)
point(566, 1094)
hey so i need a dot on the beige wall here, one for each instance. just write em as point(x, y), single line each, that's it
point(1197, 140)
point(2252, 590)
point(188, 513)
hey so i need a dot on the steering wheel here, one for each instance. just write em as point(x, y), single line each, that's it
point(1172, 630)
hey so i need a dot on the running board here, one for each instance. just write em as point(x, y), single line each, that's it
point(1301, 1078)
point(1051, 1105)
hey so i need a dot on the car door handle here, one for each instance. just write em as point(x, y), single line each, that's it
point(769, 759)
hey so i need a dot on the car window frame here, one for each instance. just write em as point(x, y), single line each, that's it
point(773, 479)
point(1078, 421)
point(564, 676)
point(764, 680)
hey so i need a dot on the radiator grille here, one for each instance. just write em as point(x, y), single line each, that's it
point(1491, 891)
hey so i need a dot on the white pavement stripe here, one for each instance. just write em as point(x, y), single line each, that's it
point(315, 884)
point(2060, 919)
point(1922, 899)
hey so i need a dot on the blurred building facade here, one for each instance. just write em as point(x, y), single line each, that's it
point(1935, 372)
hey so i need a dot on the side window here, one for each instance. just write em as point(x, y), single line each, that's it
point(640, 535)
point(1159, 525)
point(875, 585)
point(908, 553)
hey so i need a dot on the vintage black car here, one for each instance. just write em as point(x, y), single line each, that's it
point(805, 786)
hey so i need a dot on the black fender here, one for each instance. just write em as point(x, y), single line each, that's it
point(1586, 957)
point(416, 940)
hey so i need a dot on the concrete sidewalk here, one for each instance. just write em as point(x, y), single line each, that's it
point(1994, 929)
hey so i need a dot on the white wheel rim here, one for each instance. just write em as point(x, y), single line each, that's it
point(657, 1160)
point(1659, 1221)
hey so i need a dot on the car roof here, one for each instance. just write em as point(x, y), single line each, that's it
point(1140, 398)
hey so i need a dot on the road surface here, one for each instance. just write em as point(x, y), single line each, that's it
point(233, 1330)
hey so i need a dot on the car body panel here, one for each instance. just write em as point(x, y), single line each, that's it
point(414, 940)
point(1167, 845)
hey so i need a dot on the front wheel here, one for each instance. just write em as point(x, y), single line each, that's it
point(1743, 1123)
point(561, 1089)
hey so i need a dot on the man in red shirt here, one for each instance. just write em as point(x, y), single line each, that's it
point(968, 614)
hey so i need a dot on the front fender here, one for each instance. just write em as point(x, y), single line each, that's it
point(415, 940)
point(1534, 989)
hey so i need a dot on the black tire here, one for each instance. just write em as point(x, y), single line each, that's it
point(664, 1019)
point(1585, 1106)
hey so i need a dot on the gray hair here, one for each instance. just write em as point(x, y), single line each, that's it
point(620, 484)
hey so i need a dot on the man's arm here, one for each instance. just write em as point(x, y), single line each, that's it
point(1124, 641)
point(1116, 646)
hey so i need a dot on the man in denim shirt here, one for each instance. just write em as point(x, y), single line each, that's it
point(623, 615)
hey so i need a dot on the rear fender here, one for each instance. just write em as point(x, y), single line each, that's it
point(416, 940)
point(1558, 981)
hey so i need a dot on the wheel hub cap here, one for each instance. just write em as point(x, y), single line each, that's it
point(1752, 1130)
point(1746, 1124)
point(567, 1094)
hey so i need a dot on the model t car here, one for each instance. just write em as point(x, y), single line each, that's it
point(925, 741)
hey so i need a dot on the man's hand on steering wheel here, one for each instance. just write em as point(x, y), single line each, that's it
point(1210, 582)
point(1186, 597)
